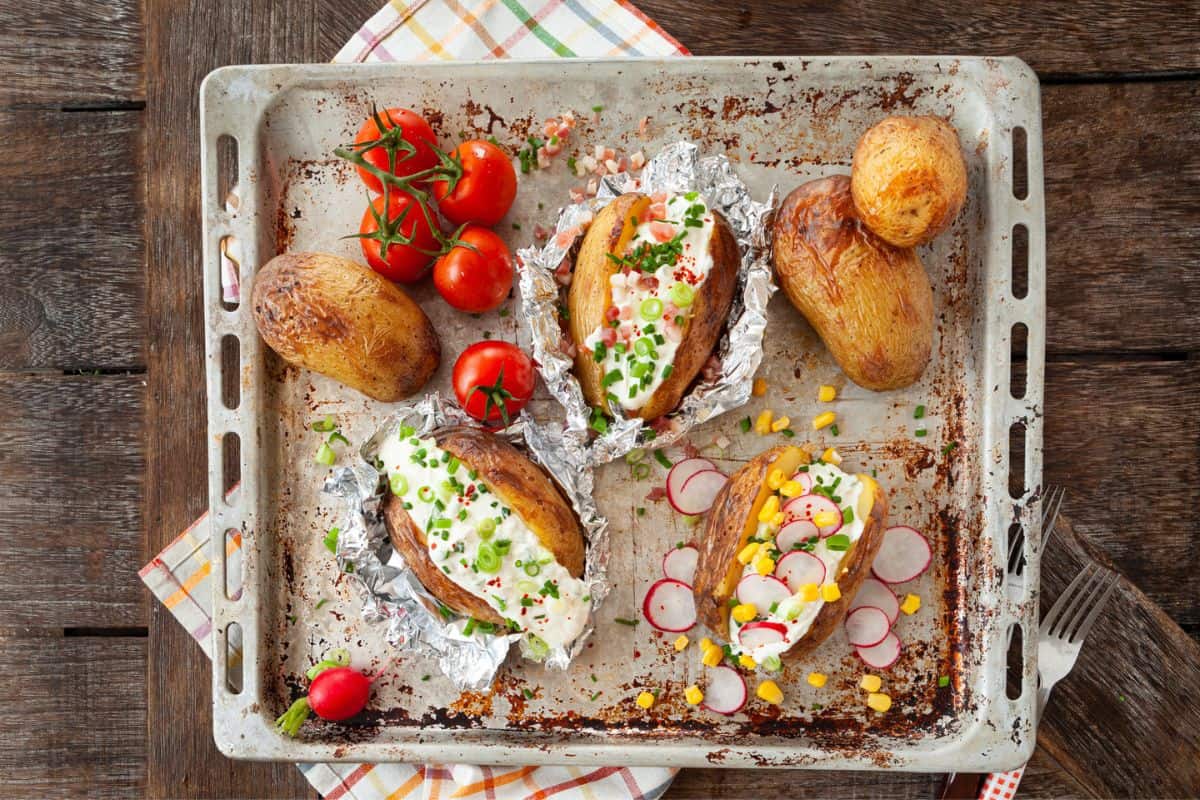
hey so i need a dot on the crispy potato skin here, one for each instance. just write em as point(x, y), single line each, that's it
point(591, 294)
point(520, 484)
point(909, 179)
point(333, 316)
point(870, 303)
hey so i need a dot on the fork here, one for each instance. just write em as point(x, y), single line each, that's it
point(1051, 504)
point(1063, 630)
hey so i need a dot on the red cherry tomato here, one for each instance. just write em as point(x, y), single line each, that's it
point(405, 144)
point(339, 693)
point(493, 381)
point(476, 274)
point(485, 190)
point(400, 247)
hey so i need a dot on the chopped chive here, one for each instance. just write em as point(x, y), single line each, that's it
point(336, 436)
point(788, 433)
point(325, 425)
point(918, 412)
point(595, 695)
point(833, 429)
point(630, 622)
point(745, 424)
point(597, 109)
point(321, 602)
point(661, 458)
point(504, 312)
point(426, 677)
point(946, 450)
point(920, 432)
point(641, 512)
point(943, 681)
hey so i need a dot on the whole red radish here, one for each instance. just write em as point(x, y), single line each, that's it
point(337, 693)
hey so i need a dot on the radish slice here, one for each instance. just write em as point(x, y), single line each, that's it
point(867, 626)
point(726, 690)
point(798, 568)
point(882, 655)
point(680, 473)
point(670, 606)
point(698, 493)
point(805, 480)
point(680, 564)
point(875, 592)
point(793, 533)
point(756, 634)
point(808, 506)
point(762, 590)
point(903, 555)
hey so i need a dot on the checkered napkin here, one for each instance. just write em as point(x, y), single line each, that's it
point(426, 30)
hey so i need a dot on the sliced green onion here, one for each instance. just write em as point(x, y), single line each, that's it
point(399, 485)
point(425, 494)
point(943, 681)
point(600, 352)
point(839, 542)
point(469, 628)
point(948, 448)
point(532, 569)
point(502, 546)
point(643, 346)
point(538, 649)
point(667, 370)
point(635, 455)
point(682, 295)
point(452, 465)
point(325, 455)
point(442, 523)
point(745, 424)
point(641, 369)
point(847, 516)
point(641, 471)
point(918, 412)
point(788, 433)
point(526, 587)
point(407, 431)
point(772, 663)
point(331, 540)
point(337, 437)
point(919, 432)
point(651, 308)
point(325, 425)
point(487, 559)
point(612, 377)
point(661, 458)
point(485, 527)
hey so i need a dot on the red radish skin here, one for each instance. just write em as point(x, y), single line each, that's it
point(725, 692)
point(795, 532)
point(339, 693)
point(903, 555)
point(798, 568)
point(882, 655)
point(875, 592)
point(807, 506)
point(670, 606)
point(698, 492)
point(761, 591)
point(867, 626)
point(805, 480)
point(757, 634)
point(680, 473)
point(680, 564)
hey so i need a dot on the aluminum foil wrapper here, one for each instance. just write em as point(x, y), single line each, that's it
point(391, 593)
point(677, 168)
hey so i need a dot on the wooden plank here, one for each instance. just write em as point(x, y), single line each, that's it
point(75, 721)
point(1095, 37)
point(74, 53)
point(72, 470)
point(743, 784)
point(71, 240)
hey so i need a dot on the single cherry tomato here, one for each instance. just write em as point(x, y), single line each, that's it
point(402, 245)
point(484, 191)
point(404, 144)
point(493, 381)
point(476, 274)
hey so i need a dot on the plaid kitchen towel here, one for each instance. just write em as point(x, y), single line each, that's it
point(424, 30)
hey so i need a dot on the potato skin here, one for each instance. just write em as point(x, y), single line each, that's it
point(909, 179)
point(516, 481)
point(591, 293)
point(870, 303)
point(333, 316)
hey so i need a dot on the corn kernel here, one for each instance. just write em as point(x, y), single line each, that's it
point(712, 656)
point(823, 519)
point(823, 420)
point(879, 701)
point(645, 700)
point(769, 691)
point(809, 592)
point(871, 683)
point(746, 554)
point(681, 643)
point(780, 424)
point(760, 387)
point(775, 479)
point(768, 509)
point(747, 662)
point(830, 592)
point(764, 565)
point(693, 695)
point(744, 612)
point(791, 489)
point(911, 604)
point(831, 456)
point(706, 643)
point(778, 520)
point(762, 425)
point(826, 394)
point(817, 679)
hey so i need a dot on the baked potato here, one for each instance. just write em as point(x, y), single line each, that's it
point(909, 179)
point(333, 316)
point(486, 532)
point(651, 290)
point(785, 547)
point(870, 302)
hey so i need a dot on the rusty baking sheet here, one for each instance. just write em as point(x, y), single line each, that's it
point(782, 121)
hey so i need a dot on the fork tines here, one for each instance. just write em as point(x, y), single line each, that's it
point(1080, 604)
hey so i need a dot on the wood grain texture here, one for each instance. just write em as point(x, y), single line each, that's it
point(71, 243)
point(72, 470)
point(81, 726)
point(1096, 37)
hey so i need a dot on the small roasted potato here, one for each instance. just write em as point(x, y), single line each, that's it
point(333, 316)
point(909, 179)
point(870, 302)
point(590, 297)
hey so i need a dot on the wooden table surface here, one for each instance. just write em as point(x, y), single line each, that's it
point(101, 367)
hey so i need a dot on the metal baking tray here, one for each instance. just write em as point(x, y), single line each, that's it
point(782, 121)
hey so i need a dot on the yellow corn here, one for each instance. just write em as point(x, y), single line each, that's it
point(809, 592)
point(817, 679)
point(744, 612)
point(681, 643)
point(831, 456)
point(823, 519)
point(712, 656)
point(762, 425)
point(823, 420)
point(645, 700)
point(706, 643)
point(826, 394)
point(760, 387)
point(747, 662)
point(778, 520)
point(780, 424)
point(764, 565)
point(879, 701)
point(693, 695)
point(911, 604)
point(746, 554)
point(768, 508)
point(871, 683)
point(769, 691)
point(791, 488)
point(830, 592)
point(775, 479)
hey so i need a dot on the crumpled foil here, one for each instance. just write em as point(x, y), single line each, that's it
point(677, 168)
point(391, 593)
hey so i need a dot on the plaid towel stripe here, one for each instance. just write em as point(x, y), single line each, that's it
point(1001, 785)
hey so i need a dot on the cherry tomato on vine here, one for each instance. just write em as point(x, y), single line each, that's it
point(403, 144)
point(402, 245)
point(476, 273)
point(484, 191)
point(493, 381)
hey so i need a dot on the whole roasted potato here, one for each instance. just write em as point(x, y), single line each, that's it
point(909, 179)
point(486, 531)
point(814, 565)
point(649, 297)
point(335, 317)
point(870, 302)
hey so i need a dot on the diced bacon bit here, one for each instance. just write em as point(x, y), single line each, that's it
point(568, 118)
point(672, 332)
point(567, 345)
point(593, 186)
point(657, 210)
point(612, 166)
point(587, 163)
point(550, 127)
point(543, 157)
point(659, 197)
point(562, 273)
point(663, 425)
point(553, 146)
point(637, 160)
point(648, 282)
point(690, 450)
point(669, 311)
point(626, 332)
point(657, 493)
point(626, 312)
point(643, 126)
point(623, 164)
point(585, 220)
point(662, 231)
point(566, 237)
point(712, 369)
point(611, 313)
point(577, 195)
point(541, 233)
point(608, 336)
